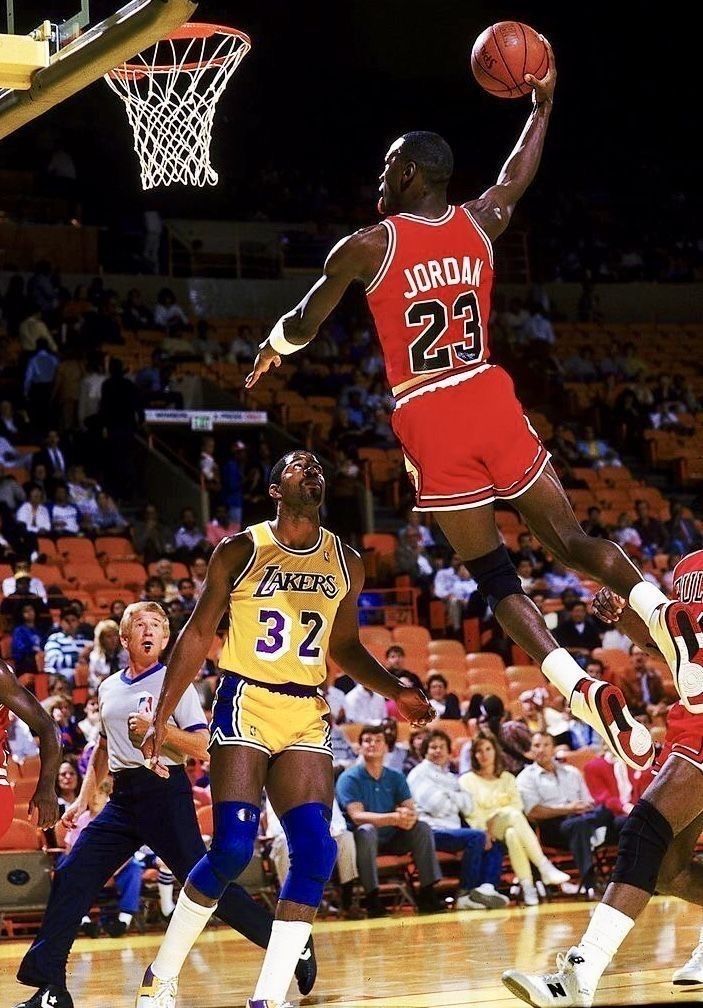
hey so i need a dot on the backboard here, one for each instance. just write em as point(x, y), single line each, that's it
point(50, 49)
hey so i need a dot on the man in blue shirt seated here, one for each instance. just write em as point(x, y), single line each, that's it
point(378, 805)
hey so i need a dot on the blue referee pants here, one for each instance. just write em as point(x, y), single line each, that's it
point(143, 809)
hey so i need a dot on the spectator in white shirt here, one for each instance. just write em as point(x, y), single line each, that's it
point(64, 513)
point(445, 806)
point(33, 514)
point(363, 706)
point(168, 314)
point(23, 570)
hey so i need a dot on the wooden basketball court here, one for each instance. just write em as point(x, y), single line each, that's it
point(405, 961)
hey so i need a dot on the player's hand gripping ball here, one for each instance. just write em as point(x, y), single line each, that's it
point(504, 53)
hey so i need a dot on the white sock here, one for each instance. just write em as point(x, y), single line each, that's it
point(604, 935)
point(287, 941)
point(186, 924)
point(86, 920)
point(126, 918)
point(563, 671)
point(645, 598)
point(166, 903)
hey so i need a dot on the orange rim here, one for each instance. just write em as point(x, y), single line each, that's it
point(189, 30)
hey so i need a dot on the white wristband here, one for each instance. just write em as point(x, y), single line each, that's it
point(278, 342)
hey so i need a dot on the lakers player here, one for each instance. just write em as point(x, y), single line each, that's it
point(292, 589)
point(428, 272)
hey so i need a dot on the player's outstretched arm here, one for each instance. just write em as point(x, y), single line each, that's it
point(356, 257)
point(350, 654)
point(494, 208)
point(27, 708)
point(226, 563)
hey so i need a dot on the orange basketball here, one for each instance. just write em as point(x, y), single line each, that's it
point(503, 54)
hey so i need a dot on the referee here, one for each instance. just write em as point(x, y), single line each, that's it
point(144, 809)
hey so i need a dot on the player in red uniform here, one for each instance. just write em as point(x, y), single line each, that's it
point(657, 842)
point(428, 272)
point(15, 698)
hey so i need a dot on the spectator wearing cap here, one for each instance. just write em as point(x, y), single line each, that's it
point(532, 708)
point(64, 647)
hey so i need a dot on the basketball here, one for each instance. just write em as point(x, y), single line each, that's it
point(503, 54)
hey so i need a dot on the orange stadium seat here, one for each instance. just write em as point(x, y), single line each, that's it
point(613, 659)
point(47, 547)
point(375, 635)
point(178, 569)
point(453, 648)
point(444, 660)
point(205, 820)
point(411, 635)
point(75, 550)
point(130, 574)
point(104, 597)
point(484, 660)
point(114, 548)
point(84, 572)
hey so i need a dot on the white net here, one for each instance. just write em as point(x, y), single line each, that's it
point(170, 93)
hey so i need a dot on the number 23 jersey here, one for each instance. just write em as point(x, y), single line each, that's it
point(431, 298)
point(282, 607)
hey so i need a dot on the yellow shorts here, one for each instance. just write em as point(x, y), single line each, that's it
point(271, 718)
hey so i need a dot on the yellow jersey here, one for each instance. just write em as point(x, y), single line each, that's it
point(282, 607)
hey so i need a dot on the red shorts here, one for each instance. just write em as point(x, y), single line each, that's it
point(684, 737)
point(467, 444)
point(7, 805)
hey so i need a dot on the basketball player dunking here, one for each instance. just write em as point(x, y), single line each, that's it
point(428, 272)
point(14, 697)
point(292, 590)
point(657, 842)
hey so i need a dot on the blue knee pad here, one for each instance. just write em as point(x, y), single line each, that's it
point(235, 826)
point(312, 851)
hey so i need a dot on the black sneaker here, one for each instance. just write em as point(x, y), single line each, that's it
point(429, 902)
point(91, 929)
point(115, 928)
point(374, 906)
point(306, 970)
point(48, 997)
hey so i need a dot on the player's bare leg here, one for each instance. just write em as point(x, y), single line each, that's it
point(664, 824)
point(300, 786)
point(475, 538)
point(673, 625)
point(237, 776)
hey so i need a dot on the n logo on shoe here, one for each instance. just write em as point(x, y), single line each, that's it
point(556, 990)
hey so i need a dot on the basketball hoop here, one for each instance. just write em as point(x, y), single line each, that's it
point(170, 92)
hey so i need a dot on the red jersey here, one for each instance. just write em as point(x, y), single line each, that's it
point(431, 299)
point(688, 581)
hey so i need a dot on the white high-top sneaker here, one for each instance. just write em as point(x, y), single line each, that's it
point(543, 990)
point(691, 973)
